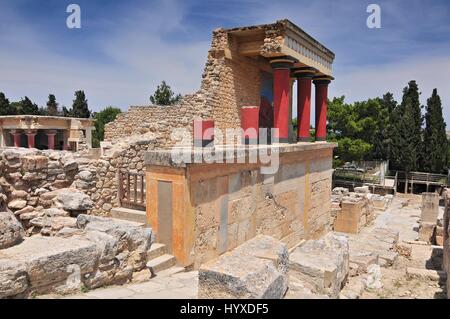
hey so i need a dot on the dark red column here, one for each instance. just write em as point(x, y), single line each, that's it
point(304, 77)
point(31, 136)
point(250, 124)
point(16, 136)
point(281, 97)
point(51, 139)
point(321, 107)
point(203, 133)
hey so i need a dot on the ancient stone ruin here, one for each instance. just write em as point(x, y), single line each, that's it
point(170, 198)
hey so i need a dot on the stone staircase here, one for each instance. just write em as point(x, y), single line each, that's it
point(131, 215)
point(160, 263)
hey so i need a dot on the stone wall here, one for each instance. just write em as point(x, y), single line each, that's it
point(27, 175)
point(446, 235)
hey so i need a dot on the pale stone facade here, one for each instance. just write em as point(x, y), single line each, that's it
point(46, 132)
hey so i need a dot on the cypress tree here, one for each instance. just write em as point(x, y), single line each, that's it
point(5, 106)
point(434, 138)
point(28, 108)
point(52, 106)
point(406, 133)
point(80, 107)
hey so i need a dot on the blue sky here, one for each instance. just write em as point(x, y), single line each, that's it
point(125, 48)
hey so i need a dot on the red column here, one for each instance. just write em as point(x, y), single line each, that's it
point(203, 133)
point(304, 76)
point(321, 107)
point(31, 136)
point(51, 139)
point(16, 134)
point(250, 124)
point(281, 97)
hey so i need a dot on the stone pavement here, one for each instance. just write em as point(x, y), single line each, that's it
point(177, 286)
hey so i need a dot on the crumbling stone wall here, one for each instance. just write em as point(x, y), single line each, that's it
point(27, 175)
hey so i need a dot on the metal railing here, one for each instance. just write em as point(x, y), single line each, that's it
point(131, 189)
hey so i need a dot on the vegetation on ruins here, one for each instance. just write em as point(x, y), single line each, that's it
point(382, 129)
point(107, 115)
point(164, 95)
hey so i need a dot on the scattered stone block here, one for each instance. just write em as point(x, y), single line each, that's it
point(428, 274)
point(255, 270)
point(13, 278)
point(11, 231)
point(322, 263)
point(49, 261)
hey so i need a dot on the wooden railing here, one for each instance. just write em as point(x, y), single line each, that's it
point(132, 190)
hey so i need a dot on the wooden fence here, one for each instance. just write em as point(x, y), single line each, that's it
point(132, 190)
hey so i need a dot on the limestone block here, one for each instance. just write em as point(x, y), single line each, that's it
point(427, 232)
point(71, 199)
point(362, 190)
point(257, 269)
point(48, 260)
point(13, 278)
point(430, 207)
point(11, 231)
point(323, 263)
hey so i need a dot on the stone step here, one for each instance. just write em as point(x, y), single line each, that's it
point(128, 214)
point(171, 271)
point(156, 250)
point(161, 263)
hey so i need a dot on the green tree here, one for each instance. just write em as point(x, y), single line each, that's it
point(52, 106)
point(5, 106)
point(434, 138)
point(27, 107)
point(406, 131)
point(349, 149)
point(80, 107)
point(107, 115)
point(164, 95)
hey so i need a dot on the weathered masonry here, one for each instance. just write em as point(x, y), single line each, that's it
point(45, 132)
point(201, 209)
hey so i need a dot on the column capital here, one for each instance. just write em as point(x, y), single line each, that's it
point(51, 132)
point(322, 80)
point(282, 63)
point(30, 132)
point(304, 72)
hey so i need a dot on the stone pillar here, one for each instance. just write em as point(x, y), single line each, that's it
point(304, 77)
point(16, 136)
point(31, 138)
point(89, 137)
point(250, 124)
point(203, 133)
point(51, 139)
point(321, 84)
point(281, 97)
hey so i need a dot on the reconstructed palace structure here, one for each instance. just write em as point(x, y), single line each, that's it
point(45, 132)
point(202, 209)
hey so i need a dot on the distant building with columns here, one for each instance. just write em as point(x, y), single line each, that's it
point(45, 132)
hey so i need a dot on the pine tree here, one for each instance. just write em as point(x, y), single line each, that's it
point(5, 106)
point(52, 106)
point(80, 106)
point(164, 95)
point(434, 138)
point(28, 108)
point(406, 131)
